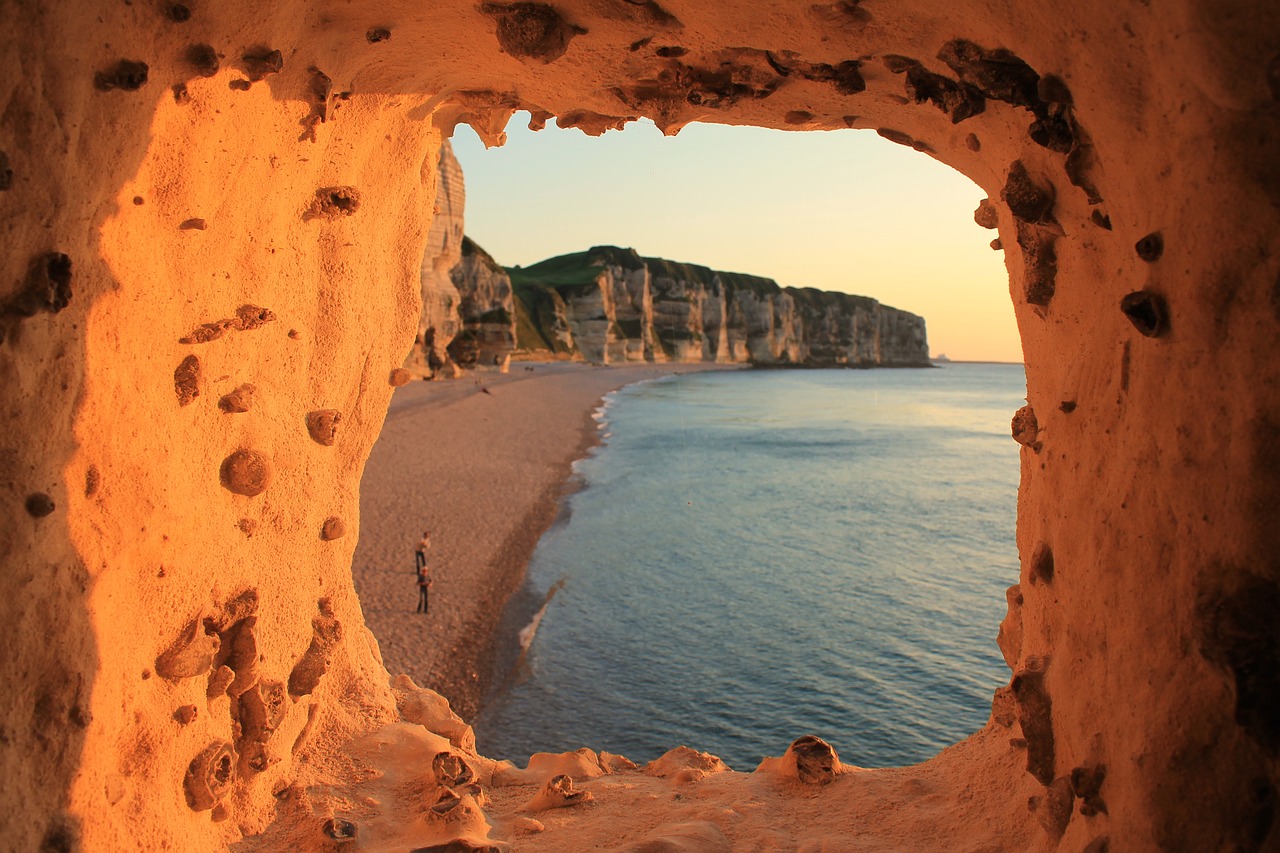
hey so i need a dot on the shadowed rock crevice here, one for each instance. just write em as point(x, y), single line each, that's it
point(326, 635)
point(1240, 633)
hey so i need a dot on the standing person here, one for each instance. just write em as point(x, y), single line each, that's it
point(424, 572)
point(424, 587)
point(421, 553)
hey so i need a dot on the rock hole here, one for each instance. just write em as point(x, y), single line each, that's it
point(959, 101)
point(39, 505)
point(46, 288)
point(531, 30)
point(326, 634)
point(126, 74)
point(1035, 714)
point(1053, 132)
point(245, 472)
point(816, 760)
point(204, 59)
point(1027, 201)
point(1150, 247)
point(377, 34)
point(186, 380)
point(62, 836)
point(333, 203)
point(451, 769)
point(333, 528)
point(997, 73)
point(1039, 263)
point(339, 829)
point(258, 62)
point(177, 13)
point(319, 88)
point(1086, 784)
point(1239, 632)
point(1125, 356)
point(896, 136)
point(1041, 565)
point(250, 317)
point(322, 425)
point(898, 64)
point(238, 401)
point(209, 776)
point(1147, 311)
point(6, 174)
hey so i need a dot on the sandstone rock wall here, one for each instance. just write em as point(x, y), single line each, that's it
point(172, 175)
point(632, 308)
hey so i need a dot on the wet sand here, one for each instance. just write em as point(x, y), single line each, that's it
point(482, 463)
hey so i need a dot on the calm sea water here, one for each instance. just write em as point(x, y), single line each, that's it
point(758, 555)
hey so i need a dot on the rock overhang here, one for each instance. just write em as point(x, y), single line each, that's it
point(1091, 126)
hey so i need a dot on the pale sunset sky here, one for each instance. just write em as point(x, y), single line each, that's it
point(841, 210)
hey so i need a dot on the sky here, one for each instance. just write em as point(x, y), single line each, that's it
point(838, 210)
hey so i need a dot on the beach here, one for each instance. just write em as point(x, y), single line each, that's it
point(481, 462)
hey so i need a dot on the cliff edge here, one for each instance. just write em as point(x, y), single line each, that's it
point(611, 305)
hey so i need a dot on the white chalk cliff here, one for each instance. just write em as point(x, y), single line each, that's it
point(611, 305)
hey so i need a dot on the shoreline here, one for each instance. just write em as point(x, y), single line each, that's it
point(487, 484)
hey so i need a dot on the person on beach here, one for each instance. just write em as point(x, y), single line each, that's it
point(424, 588)
point(421, 553)
point(424, 573)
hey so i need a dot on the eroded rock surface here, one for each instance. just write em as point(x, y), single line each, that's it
point(311, 190)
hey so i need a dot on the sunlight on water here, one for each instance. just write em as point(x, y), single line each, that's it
point(763, 554)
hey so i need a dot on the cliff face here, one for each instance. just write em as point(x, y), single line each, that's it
point(467, 316)
point(485, 313)
point(439, 322)
point(611, 305)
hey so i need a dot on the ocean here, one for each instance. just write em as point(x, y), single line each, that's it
point(751, 556)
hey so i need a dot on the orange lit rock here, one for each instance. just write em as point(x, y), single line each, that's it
point(1102, 122)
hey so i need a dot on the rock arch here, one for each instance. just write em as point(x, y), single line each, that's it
point(200, 196)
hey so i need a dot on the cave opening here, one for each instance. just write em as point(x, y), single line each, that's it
point(883, 212)
point(178, 199)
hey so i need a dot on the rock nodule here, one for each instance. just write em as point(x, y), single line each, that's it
point(246, 472)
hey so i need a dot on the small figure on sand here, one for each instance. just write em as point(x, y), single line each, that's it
point(424, 571)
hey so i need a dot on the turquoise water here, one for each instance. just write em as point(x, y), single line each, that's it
point(757, 555)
